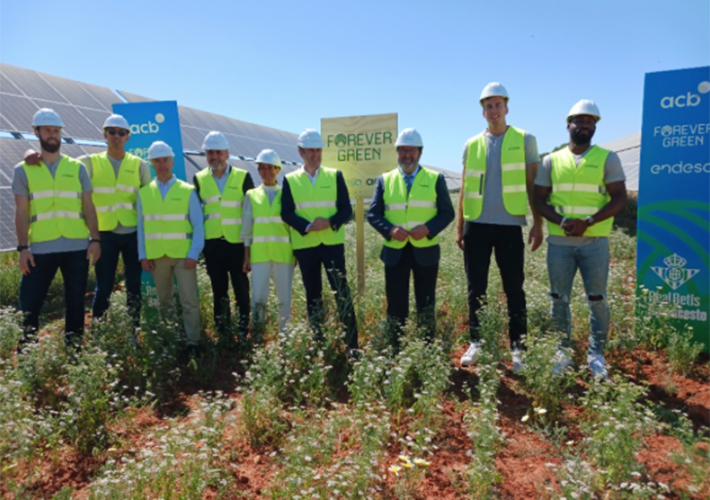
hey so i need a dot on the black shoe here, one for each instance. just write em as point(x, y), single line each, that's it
point(193, 351)
point(353, 354)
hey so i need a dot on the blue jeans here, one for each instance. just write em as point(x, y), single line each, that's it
point(113, 244)
point(34, 287)
point(592, 260)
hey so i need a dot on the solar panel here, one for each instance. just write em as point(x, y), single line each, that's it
point(18, 112)
point(31, 83)
point(6, 86)
point(8, 241)
point(73, 93)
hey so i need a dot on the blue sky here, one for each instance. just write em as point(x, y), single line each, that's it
point(288, 64)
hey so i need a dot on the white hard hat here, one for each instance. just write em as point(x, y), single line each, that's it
point(269, 156)
point(48, 117)
point(117, 121)
point(216, 141)
point(494, 89)
point(310, 139)
point(584, 107)
point(159, 149)
point(409, 137)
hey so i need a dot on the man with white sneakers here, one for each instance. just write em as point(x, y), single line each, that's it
point(499, 172)
point(579, 190)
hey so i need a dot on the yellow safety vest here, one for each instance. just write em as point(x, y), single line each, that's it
point(55, 202)
point(115, 197)
point(578, 191)
point(413, 209)
point(272, 236)
point(166, 223)
point(315, 201)
point(513, 176)
point(223, 211)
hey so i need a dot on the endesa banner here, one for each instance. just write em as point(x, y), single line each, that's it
point(673, 240)
point(150, 122)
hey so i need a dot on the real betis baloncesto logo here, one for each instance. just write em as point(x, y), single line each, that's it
point(675, 274)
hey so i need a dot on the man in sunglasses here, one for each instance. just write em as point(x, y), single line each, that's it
point(116, 176)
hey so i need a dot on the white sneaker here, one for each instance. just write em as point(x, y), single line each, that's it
point(470, 357)
point(517, 355)
point(562, 360)
point(597, 365)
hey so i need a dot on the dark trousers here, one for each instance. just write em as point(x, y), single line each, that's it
point(113, 245)
point(225, 262)
point(507, 244)
point(397, 289)
point(332, 258)
point(34, 287)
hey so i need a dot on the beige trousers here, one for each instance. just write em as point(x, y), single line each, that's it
point(165, 269)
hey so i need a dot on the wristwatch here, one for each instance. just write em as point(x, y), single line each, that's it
point(590, 221)
point(22, 247)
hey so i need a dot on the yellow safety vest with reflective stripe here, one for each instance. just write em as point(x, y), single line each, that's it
point(115, 197)
point(413, 209)
point(315, 201)
point(166, 223)
point(55, 202)
point(513, 176)
point(222, 211)
point(578, 191)
point(271, 235)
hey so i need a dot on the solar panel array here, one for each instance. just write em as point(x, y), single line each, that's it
point(84, 107)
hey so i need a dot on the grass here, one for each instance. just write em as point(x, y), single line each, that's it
point(290, 417)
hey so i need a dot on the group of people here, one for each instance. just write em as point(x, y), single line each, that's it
point(72, 213)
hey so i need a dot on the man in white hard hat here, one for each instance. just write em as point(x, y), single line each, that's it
point(56, 227)
point(316, 204)
point(579, 189)
point(116, 176)
point(170, 239)
point(221, 188)
point(409, 208)
point(499, 171)
point(267, 240)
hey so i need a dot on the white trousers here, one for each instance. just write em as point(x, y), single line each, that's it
point(282, 276)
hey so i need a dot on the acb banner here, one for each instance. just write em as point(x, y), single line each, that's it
point(153, 121)
point(362, 147)
point(673, 239)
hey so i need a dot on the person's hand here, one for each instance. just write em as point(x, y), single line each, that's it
point(399, 233)
point(32, 157)
point(459, 241)
point(575, 227)
point(319, 224)
point(93, 253)
point(27, 261)
point(419, 232)
point(246, 267)
point(147, 264)
point(535, 236)
point(190, 263)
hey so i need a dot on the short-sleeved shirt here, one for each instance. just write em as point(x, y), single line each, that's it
point(494, 211)
point(143, 172)
point(613, 172)
point(20, 187)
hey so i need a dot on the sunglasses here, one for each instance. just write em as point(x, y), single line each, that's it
point(121, 132)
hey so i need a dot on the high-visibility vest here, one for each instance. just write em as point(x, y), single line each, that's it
point(271, 235)
point(166, 223)
point(413, 209)
point(513, 176)
point(315, 201)
point(222, 211)
point(115, 197)
point(578, 191)
point(55, 202)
